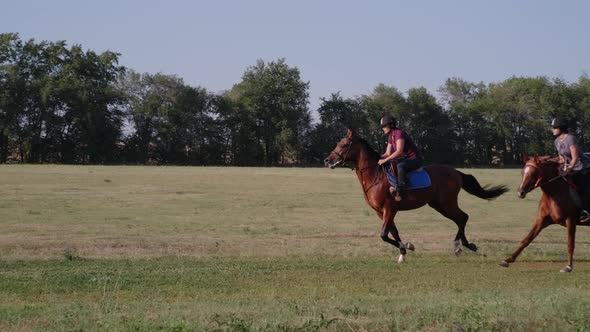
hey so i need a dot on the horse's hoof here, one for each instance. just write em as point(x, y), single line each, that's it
point(410, 246)
point(472, 247)
point(401, 259)
point(457, 245)
point(567, 269)
point(504, 264)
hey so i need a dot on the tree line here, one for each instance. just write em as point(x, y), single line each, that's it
point(64, 104)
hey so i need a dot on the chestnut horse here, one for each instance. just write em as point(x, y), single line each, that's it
point(555, 206)
point(446, 182)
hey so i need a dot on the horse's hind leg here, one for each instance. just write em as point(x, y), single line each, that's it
point(460, 218)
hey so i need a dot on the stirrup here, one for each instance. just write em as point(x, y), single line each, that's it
point(396, 193)
point(584, 216)
point(392, 190)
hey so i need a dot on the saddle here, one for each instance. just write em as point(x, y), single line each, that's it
point(415, 179)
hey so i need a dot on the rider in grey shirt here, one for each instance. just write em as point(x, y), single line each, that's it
point(576, 163)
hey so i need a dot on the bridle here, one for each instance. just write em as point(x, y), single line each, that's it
point(343, 155)
point(342, 160)
point(539, 181)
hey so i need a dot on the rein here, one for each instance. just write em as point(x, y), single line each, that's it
point(375, 178)
point(540, 181)
point(342, 160)
point(343, 157)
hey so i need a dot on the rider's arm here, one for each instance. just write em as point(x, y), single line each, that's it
point(387, 150)
point(575, 157)
point(399, 148)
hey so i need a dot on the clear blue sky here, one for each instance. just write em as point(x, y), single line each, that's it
point(346, 46)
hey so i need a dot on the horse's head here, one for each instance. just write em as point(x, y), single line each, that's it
point(345, 150)
point(536, 172)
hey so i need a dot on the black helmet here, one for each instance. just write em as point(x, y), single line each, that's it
point(558, 123)
point(387, 120)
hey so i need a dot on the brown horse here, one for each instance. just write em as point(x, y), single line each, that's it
point(555, 206)
point(446, 182)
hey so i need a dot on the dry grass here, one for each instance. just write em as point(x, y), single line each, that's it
point(267, 249)
point(139, 212)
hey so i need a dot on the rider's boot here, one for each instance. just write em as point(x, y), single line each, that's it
point(401, 187)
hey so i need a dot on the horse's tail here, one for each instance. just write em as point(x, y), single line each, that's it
point(473, 187)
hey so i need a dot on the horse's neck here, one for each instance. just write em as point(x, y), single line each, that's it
point(367, 168)
point(550, 169)
point(552, 189)
point(553, 186)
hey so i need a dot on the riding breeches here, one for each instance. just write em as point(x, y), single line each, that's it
point(404, 166)
point(582, 181)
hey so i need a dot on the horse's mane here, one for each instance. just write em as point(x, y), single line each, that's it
point(372, 153)
point(544, 159)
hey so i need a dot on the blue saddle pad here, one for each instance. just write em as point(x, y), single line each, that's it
point(416, 179)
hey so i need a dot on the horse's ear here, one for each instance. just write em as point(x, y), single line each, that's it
point(349, 133)
point(525, 158)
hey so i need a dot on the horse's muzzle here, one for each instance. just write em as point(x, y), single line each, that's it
point(521, 194)
point(331, 164)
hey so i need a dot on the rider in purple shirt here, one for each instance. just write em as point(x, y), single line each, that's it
point(401, 148)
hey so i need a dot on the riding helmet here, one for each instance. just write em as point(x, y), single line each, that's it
point(559, 123)
point(387, 120)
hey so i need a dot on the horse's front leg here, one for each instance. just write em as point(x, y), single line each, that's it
point(390, 228)
point(540, 223)
point(571, 244)
point(387, 218)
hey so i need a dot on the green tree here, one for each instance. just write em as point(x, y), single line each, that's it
point(385, 100)
point(471, 137)
point(521, 109)
point(171, 122)
point(91, 105)
point(190, 134)
point(429, 126)
point(275, 100)
point(58, 104)
point(581, 93)
point(336, 115)
point(25, 68)
point(239, 125)
point(11, 96)
point(150, 98)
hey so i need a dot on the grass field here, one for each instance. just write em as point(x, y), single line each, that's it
point(267, 249)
